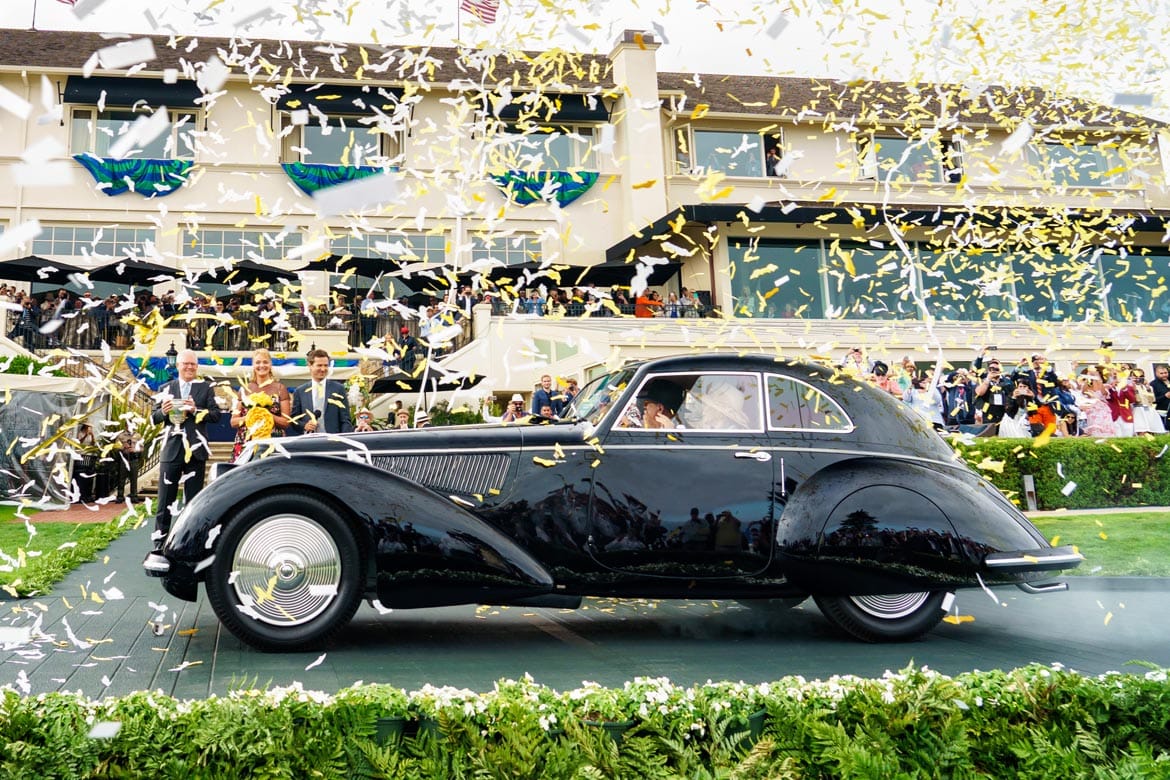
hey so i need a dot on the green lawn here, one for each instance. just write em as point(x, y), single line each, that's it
point(29, 566)
point(1122, 544)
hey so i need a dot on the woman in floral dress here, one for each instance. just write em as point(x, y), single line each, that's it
point(263, 393)
point(1098, 417)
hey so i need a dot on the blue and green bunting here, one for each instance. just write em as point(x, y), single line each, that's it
point(147, 177)
point(560, 187)
point(311, 177)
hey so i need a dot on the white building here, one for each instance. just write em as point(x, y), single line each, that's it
point(899, 218)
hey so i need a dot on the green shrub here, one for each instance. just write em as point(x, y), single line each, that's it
point(29, 365)
point(1039, 722)
point(1108, 472)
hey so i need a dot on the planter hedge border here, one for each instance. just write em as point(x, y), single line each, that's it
point(1038, 722)
point(1122, 472)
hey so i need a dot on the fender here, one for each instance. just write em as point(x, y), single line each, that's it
point(419, 539)
point(878, 535)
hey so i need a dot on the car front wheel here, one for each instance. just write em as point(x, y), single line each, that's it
point(884, 618)
point(287, 573)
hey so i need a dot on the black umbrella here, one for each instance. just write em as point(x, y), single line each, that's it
point(38, 269)
point(250, 271)
point(362, 266)
point(135, 272)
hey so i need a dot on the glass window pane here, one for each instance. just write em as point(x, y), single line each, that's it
point(776, 279)
point(905, 160)
point(1052, 288)
point(733, 153)
point(959, 286)
point(1130, 283)
point(821, 413)
point(868, 283)
point(783, 403)
point(722, 403)
point(80, 129)
point(326, 145)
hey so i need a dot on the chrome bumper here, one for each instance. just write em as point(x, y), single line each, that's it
point(1065, 557)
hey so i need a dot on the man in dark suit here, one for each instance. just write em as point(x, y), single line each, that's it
point(186, 405)
point(320, 406)
point(1161, 388)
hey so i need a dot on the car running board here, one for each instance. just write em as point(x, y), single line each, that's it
point(1045, 587)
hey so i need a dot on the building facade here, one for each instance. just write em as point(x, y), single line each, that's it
point(809, 216)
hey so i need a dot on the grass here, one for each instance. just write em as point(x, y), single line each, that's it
point(1134, 544)
point(31, 565)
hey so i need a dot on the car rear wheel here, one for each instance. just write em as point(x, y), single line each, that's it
point(892, 617)
point(287, 573)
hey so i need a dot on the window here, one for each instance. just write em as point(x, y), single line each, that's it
point(713, 402)
point(958, 285)
point(1078, 165)
point(95, 132)
point(1130, 281)
point(558, 148)
point(930, 159)
point(793, 405)
point(510, 250)
point(339, 140)
point(83, 240)
point(254, 245)
point(403, 247)
point(868, 283)
point(776, 278)
point(732, 152)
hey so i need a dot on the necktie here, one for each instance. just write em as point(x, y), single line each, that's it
point(184, 390)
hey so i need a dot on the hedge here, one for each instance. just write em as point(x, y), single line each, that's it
point(1035, 722)
point(1132, 471)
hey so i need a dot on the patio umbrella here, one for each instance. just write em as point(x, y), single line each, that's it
point(38, 269)
point(135, 272)
point(250, 271)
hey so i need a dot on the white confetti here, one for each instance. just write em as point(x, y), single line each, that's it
point(73, 638)
point(126, 54)
point(777, 26)
point(113, 594)
point(353, 196)
point(320, 658)
point(19, 235)
point(11, 637)
point(213, 76)
point(83, 8)
point(1015, 142)
point(144, 130)
point(14, 103)
point(1060, 470)
point(1069, 487)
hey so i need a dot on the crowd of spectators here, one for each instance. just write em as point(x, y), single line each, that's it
point(1027, 398)
point(591, 302)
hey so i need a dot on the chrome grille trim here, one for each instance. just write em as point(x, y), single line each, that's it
point(466, 473)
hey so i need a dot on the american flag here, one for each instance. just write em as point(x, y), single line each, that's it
point(68, 2)
point(484, 10)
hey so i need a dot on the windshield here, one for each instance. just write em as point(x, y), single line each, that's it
point(596, 397)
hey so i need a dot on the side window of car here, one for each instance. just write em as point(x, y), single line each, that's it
point(794, 405)
point(784, 403)
point(821, 413)
point(723, 402)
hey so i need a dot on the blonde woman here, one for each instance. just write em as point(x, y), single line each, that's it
point(265, 393)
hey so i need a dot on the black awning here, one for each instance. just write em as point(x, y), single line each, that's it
point(848, 213)
point(621, 273)
point(559, 108)
point(340, 98)
point(130, 92)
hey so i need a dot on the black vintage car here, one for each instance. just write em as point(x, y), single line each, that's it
point(770, 480)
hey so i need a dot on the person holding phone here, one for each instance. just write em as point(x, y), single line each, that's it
point(515, 410)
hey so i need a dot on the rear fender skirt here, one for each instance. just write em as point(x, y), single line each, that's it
point(412, 531)
point(857, 527)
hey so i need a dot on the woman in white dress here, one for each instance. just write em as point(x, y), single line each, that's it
point(1145, 416)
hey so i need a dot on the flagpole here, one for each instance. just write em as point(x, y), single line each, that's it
point(34, 16)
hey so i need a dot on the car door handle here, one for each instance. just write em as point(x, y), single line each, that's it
point(762, 457)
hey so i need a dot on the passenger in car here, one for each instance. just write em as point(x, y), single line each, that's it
point(660, 400)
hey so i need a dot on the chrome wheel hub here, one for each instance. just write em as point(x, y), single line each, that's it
point(891, 606)
point(286, 570)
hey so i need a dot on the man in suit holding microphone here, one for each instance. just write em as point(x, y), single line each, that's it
point(186, 405)
point(320, 406)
